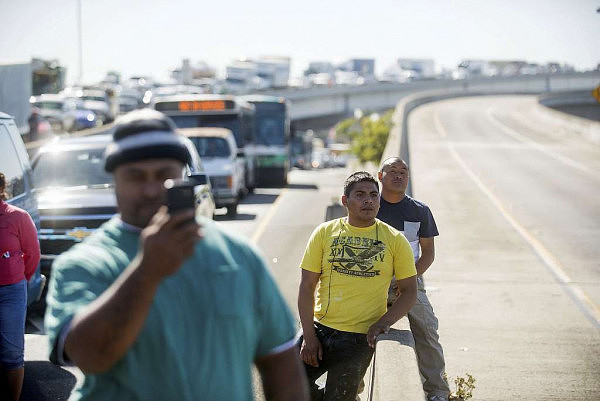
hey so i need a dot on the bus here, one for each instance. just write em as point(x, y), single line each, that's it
point(272, 147)
point(226, 111)
point(301, 149)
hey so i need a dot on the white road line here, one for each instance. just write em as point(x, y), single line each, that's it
point(265, 221)
point(544, 149)
point(438, 125)
point(578, 295)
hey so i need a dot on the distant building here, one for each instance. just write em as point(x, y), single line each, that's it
point(240, 76)
point(320, 73)
point(188, 72)
point(508, 67)
point(423, 68)
point(274, 70)
point(261, 73)
point(365, 67)
point(408, 69)
point(319, 67)
point(475, 68)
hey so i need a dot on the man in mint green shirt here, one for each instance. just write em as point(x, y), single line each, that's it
point(154, 307)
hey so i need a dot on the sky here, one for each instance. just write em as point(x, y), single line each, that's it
point(138, 37)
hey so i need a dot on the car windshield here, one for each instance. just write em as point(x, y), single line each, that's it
point(47, 105)
point(96, 98)
point(230, 122)
point(211, 146)
point(71, 168)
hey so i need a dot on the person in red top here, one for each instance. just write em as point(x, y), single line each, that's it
point(19, 257)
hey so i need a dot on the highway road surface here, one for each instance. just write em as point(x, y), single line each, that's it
point(516, 281)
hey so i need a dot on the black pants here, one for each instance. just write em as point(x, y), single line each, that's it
point(346, 357)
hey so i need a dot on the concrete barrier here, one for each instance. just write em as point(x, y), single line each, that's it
point(394, 373)
point(588, 129)
point(335, 210)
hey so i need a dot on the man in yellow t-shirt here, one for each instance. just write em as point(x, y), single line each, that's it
point(350, 262)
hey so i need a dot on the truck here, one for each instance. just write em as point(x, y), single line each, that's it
point(275, 70)
point(422, 68)
point(475, 68)
point(364, 67)
point(21, 80)
point(241, 76)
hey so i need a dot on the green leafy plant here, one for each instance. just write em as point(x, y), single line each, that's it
point(464, 387)
point(367, 135)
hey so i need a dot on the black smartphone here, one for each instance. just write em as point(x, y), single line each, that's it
point(180, 195)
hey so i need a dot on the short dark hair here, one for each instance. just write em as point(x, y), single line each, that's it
point(391, 160)
point(355, 178)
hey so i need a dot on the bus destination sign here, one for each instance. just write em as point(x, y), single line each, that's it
point(195, 105)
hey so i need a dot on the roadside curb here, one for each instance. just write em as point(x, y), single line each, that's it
point(395, 352)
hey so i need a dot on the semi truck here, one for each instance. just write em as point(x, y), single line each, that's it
point(21, 80)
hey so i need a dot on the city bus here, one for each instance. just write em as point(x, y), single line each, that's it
point(272, 147)
point(226, 111)
point(301, 149)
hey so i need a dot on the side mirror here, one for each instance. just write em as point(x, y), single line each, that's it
point(241, 153)
point(199, 178)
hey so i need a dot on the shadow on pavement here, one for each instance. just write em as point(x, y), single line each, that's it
point(260, 199)
point(46, 381)
point(312, 187)
point(404, 337)
point(239, 216)
point(35, 317)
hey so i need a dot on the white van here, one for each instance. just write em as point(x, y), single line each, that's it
point(218, 150)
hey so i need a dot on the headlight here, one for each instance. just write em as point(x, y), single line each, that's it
point(90, 117)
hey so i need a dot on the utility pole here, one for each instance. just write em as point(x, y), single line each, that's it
point(80, 78)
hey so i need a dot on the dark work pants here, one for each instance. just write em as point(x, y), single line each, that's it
point(346, 357)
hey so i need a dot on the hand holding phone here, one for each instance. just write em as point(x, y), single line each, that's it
point(171, 236)
point(180, 195)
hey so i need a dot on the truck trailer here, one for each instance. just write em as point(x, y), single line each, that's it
point(21, 80)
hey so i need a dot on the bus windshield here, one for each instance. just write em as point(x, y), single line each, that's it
point(270, 128)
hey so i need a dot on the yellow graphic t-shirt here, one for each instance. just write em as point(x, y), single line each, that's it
point(356, 266)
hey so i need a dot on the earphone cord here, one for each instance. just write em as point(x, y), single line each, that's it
point(334, 261)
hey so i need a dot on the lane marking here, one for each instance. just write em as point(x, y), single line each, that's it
point(267, 219)
point(438, 125)
point(544, 149)
point(576, 293)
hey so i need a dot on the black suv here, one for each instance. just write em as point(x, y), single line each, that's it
point(76, 196)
